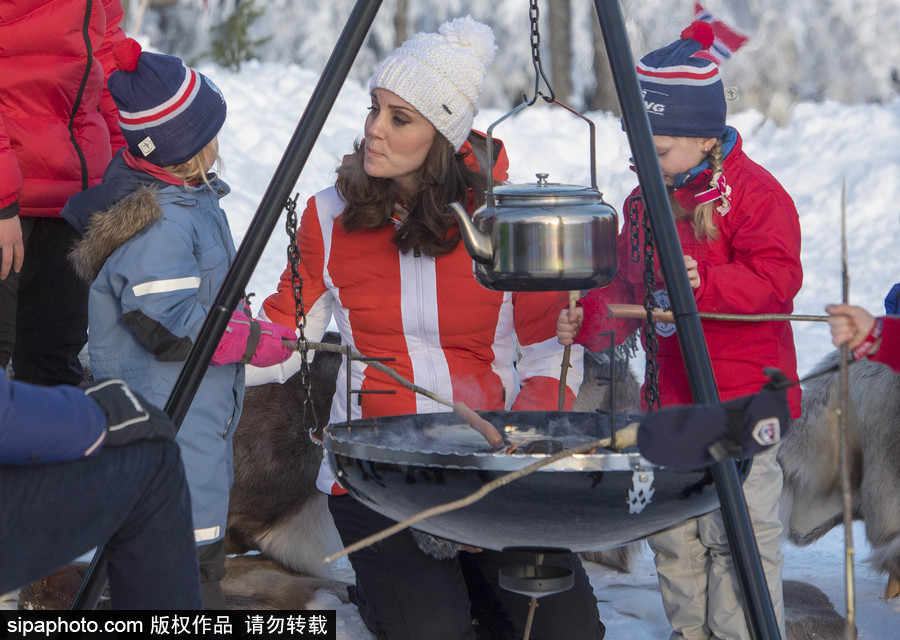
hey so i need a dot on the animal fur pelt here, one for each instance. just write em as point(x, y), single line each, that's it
point(110, 228)
point(600, 378)
point(252, 582)
point(811, 500)
point(434, 546)
point(810, 615)
point(58, 590)
point(274, 504)
point(596, 394)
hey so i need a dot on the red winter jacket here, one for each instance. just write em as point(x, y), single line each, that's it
point(752, 267)
point(56, 117)
point(442, 330)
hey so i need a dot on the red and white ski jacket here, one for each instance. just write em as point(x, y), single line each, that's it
point(752, 267)
point(58, 123)
point(491, 350)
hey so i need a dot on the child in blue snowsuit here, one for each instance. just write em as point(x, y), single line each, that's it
point(157, 248)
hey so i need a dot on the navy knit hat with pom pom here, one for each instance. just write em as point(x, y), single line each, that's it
point(683, 92)
point(167, 111)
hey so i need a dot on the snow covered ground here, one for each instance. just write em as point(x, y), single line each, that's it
point(631, 608)
point(823, 146)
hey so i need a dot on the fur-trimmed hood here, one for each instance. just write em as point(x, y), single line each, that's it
point(111, 228)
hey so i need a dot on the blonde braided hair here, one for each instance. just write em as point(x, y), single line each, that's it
point(703, 217)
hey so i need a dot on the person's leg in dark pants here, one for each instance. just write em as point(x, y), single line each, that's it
point(402, 594)
point(134, 499)
point(9, 294)
point(570, 614)
point(51, 318)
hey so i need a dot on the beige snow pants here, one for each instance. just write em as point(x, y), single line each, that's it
point(700, 591)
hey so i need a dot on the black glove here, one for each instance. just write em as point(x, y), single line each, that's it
point(129, 418)
point(690, 436)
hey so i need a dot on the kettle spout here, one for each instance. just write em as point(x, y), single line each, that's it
point(478, 244)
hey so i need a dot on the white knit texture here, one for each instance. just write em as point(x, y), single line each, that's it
point(441, 74)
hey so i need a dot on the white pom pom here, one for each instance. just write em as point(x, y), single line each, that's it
point(471, 33)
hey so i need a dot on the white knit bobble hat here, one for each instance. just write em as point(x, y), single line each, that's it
point(441, 74)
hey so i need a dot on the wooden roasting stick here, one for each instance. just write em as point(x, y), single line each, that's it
point(567, 354)
point(482, 426)
point(845, 414)
point(638, 312)
point(625, 437)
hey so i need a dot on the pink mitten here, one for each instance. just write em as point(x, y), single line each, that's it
point(233, 344)
point(271, 350)
point(250, 341)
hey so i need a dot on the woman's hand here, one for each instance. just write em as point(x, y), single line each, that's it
point(849, 324)
point(568, 324)
point(12, 251)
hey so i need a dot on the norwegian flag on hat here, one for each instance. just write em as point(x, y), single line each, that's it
point(728, 40)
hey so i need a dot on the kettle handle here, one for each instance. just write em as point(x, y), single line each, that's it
point(490, 143)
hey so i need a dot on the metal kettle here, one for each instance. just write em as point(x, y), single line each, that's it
point(543, 236)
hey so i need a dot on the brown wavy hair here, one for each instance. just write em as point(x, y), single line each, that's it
point(430, 227)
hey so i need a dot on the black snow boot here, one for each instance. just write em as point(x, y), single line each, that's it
point(212, 570)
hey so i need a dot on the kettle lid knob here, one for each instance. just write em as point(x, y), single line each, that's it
point(542, 179)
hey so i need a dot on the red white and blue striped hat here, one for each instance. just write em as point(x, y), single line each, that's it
point(683, 92)
point(167, 111)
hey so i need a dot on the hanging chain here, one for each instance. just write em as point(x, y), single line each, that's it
point(651, 344)
point(534, 17)
point(633, 227)
point(293, 253)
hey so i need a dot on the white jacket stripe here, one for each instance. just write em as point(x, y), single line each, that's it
point(421, 326)
point(166, 286)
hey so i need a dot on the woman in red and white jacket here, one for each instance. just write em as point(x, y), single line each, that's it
point(380, 254)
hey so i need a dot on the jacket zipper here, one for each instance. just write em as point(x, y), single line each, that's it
point(85, 33)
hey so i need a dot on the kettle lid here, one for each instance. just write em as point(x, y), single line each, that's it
point(543, 191)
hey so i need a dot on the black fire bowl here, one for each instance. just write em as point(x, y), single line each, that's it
point(402, 465)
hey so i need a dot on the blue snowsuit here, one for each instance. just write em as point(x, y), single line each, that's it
point(157, 254)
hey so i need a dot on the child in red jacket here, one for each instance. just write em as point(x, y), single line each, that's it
point(740, 236)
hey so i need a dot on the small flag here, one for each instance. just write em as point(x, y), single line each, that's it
point(728, 40)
